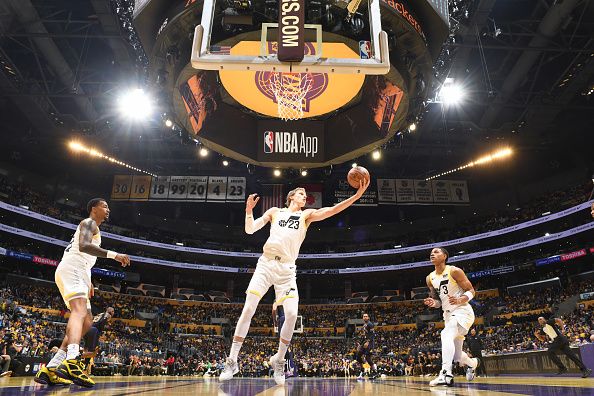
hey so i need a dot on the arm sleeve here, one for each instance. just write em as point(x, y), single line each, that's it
point(252, 225)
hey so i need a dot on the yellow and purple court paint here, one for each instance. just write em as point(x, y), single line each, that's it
point(170, 386)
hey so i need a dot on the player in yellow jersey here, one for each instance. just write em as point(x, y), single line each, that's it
point(276, 267)
point(73, 277)
point(450, 289)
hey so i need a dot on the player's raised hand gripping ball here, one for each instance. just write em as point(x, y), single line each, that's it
point(356, 175)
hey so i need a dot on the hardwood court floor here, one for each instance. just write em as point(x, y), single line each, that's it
point(186, 386)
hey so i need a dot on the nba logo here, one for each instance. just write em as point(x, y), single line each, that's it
point(365, 49)
point(268, 142)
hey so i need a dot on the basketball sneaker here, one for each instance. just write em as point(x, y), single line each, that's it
point(586, 373)
point(471, 372)
point(444, 378)
point(278, 364)
point(231, 368)
point(74, 370)
point(561, 371)
point(47, 376)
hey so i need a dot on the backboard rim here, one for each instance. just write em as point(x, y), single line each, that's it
point(377, 64)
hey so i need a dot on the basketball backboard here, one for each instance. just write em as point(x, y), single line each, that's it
point(242, 35)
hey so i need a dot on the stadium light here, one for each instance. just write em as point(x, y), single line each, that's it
point(135, 104)
point(496, 155)
point(304, 172)
point(354, 165)
point(412, 127)
point(451, 93)
point(225, 163)
point(277, 172)
point(376, 155)
point(78, 147)
point(203, 152)
point(168, 123)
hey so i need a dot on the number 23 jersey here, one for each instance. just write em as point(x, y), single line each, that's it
point(287, 232)
point(446, 286)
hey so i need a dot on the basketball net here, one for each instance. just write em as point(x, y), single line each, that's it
point(289, 90)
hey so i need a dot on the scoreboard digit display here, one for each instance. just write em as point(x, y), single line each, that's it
point(197, 186)
point(179, 188)
point(140, 189)
point(121, 187)
point(217, 189)
point(236, 189)
point(159, 188)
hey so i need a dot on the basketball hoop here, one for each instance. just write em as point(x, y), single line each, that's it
point(289, 90)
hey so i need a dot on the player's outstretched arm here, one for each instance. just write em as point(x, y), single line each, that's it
point(432, 301)
point(329, 211)
point(252, 225)
point(460, 277)
point(88, 228)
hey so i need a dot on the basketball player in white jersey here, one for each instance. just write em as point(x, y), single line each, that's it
point(73, 277)
point(276, 267)
point(455, 291)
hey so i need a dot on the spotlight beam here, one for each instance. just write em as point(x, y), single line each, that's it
point(496, 155)
point(78, 147)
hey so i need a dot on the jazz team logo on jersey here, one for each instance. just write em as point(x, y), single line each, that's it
point(268, 142)
point(291, 222)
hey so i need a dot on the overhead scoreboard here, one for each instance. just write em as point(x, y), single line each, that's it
point(178, 188)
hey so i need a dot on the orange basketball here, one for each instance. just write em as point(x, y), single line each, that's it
point(357, 174)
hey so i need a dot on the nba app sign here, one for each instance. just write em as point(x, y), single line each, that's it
point(290, 142)
point(297, 142)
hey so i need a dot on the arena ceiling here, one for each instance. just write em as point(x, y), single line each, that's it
point(527, 65)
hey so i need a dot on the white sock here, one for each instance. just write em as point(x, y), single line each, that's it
point(282, 349)
point(235, 347)
point(467, 361)
point(73, 351)
point(58, 358)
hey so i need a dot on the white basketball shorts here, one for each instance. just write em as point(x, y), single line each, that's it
point(273, 272)
point(463, 315)
point(74, 280)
